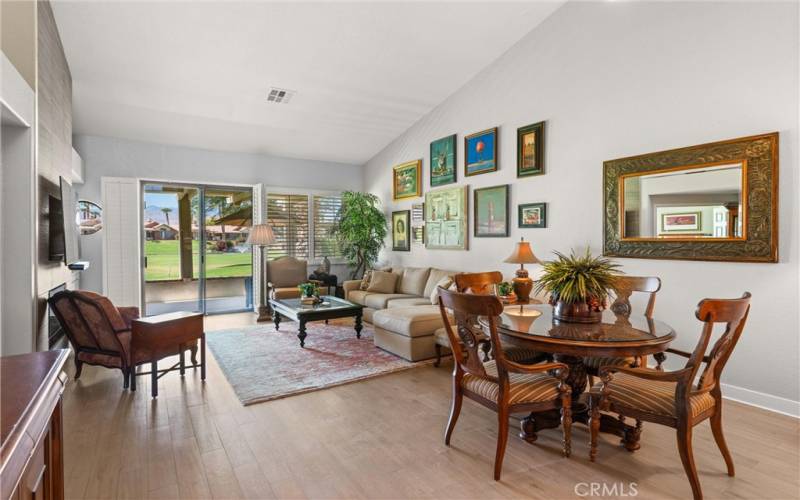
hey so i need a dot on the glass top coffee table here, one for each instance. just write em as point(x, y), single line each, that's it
point(330, 308)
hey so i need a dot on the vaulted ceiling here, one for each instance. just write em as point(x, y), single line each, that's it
point(197, 73)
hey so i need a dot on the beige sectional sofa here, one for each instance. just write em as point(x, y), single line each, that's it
point(405, 321)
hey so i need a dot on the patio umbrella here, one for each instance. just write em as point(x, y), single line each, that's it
point(241, 217)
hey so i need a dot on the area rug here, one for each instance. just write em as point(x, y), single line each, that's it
point(262, 364)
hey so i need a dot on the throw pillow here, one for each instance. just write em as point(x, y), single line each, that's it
point(368, 275)
point(445, 282)
point(382, 282)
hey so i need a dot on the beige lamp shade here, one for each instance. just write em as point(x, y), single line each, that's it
point(261, 235)
point(522, 254)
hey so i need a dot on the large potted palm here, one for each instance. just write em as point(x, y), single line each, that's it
point(578, 286)
point(360, 230)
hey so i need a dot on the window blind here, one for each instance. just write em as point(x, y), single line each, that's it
point(288, 216)
point(326, 213)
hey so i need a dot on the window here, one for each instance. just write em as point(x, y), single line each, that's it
point(288, 216)
point(326, 213)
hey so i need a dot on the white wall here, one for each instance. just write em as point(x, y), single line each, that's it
point(616, 79)
point(103, 156)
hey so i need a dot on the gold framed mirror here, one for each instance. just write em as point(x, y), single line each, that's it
point(715, 201)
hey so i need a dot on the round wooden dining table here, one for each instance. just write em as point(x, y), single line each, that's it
point(617, 335)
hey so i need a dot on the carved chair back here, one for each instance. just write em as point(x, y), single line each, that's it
point(732, 312)
point(90, 321)
point(624, 286)
point(478, 283)
point(466, 307)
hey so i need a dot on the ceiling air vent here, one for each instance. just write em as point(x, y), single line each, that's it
point(281, 96)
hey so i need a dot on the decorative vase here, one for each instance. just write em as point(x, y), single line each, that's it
point(577, 312)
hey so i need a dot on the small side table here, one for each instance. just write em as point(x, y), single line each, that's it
point(157, 337)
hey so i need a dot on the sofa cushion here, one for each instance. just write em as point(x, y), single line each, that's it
point(414, 279)
point(368, 276)
point(380, 300)
point(434, 277)
point(417, 321)
point(415, 301)
point(447, 283)
point(382, 282)
point(358, 297)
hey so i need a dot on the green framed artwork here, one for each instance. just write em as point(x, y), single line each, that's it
point(480, 152)
point(407, 180)
point(491, 211)
point(532, 215)
point(446, 218)
point(401, 229)
point(530, 150)
point(443, 161)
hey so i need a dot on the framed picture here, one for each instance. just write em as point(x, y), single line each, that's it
point(418, 234)
point(480, 152)
point(401, 228)
point(443, 161)
point(446, 219)
point(407, 180)
point(532, 215)
point(686, 221)
point(491, 211)
point(418, 213)
point(530, 150)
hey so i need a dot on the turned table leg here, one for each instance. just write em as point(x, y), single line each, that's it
point(276, 318)
point(302, 333)
point(358, 326)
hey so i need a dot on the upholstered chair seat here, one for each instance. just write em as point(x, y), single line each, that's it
point(523, 387)
point(651, 396)
point(284, 274)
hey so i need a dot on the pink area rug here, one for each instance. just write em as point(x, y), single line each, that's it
point(262, 364)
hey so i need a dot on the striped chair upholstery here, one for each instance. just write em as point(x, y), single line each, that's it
point(651, 396)
point(523, 387)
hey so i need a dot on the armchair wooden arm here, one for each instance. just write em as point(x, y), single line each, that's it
point(606, 373)
point(537, 368)
point(685, 354)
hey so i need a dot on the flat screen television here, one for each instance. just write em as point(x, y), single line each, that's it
point(64, 225)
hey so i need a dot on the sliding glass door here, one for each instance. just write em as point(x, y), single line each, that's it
point(193, 244)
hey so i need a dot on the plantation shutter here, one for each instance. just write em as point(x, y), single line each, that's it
point(326, 213)
point(288, 216)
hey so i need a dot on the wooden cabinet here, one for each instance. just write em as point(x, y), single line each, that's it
point(31, 386)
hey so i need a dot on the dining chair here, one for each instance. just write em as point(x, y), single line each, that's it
point(672, 398)
point(499, 384)
point(484, 283)
point(624, 287)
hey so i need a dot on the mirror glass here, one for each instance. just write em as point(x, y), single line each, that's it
point(90, 217)
point(684, 202)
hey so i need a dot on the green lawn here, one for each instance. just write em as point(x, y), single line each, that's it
point(164, 262)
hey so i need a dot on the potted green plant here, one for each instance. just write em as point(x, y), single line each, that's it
point(360, 230)
point(578, 286)
point(308, 289)
point(506, 292)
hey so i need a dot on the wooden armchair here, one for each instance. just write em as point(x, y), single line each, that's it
point(672, 398)
point(483, 284)
point(500, 384)
point(623, 289)
point(284, 274)
point(99, 332)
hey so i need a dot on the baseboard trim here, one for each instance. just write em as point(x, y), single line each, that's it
point(761, 400)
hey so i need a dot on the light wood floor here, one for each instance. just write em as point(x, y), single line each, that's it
point(380, 438)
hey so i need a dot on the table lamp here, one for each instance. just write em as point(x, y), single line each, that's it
point(522, 255)
point(260, 236)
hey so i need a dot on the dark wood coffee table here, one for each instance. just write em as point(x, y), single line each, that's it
point(330, 308)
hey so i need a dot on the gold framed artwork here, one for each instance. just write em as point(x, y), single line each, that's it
point(407, 180)
point(716, 201)
point(446, 219)
point(530, 150)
